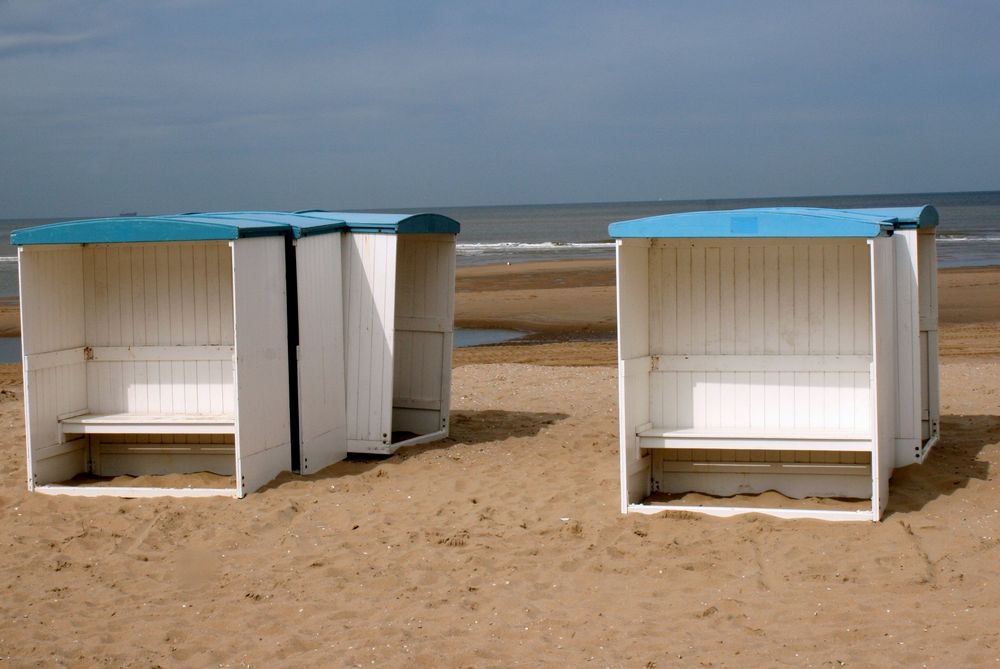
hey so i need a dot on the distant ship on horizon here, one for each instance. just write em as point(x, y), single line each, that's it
point(128, 213)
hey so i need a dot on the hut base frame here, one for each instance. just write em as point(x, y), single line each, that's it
point(133, 492)
point(728, 511)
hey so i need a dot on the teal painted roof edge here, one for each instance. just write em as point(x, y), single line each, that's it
point(391, 224)
point(925, 216)
point(228, 225)
point(774, 222)
point(124, 229)
point(301, 225)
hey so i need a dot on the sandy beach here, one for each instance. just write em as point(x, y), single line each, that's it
point(503, 545)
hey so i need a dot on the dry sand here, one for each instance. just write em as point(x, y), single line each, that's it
point(503, 546)
point(10, 320)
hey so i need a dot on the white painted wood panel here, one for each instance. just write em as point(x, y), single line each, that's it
point(263, 447)
point(52, 321)
point(907, 346)
point(928, 300)
point(424, 318)
point(799, 305)
point(633, 311)
point(322, 391)
point(884, 378)
point(159, 295)
point(369, 264)
point(745, 365)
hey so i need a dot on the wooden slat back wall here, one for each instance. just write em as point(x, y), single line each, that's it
point(369, 262)
point(159, 295)
point(425, 284)
point(51, 320)
point(760, 297)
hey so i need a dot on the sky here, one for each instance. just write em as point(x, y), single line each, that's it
point(195, 105)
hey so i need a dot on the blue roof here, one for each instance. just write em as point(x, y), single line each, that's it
point(390, 224)
point(180, 227)
point(301, 225)
point(227, 225)
point(776, 222)
point(903, 217)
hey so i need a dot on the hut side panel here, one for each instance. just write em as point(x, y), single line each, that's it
point(263, 447)
point(322, 417)
point(907, 347)
point(55, 374)
point(928, 299)
point(160, 323)
point(884, 401)
point(634, 295)
point(761, 336)
point(369, 262)
point(424, 324)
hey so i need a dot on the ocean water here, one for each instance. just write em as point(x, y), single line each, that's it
point(477, 337)
point(968, 236)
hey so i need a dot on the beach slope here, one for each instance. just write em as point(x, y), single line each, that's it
point(503, 545)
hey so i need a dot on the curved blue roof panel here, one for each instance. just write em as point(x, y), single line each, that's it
point(774, 222)
point(228, 225)
point(181, 227)
point(904, 217)
point(301, 225)
point(390, 224)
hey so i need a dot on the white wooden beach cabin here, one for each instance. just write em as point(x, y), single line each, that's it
point(399, 312)
point(154, 346)
point(918, 411)
point(757, 353)
point(315, 334)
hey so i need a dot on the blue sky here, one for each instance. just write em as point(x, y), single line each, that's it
point(181, 105)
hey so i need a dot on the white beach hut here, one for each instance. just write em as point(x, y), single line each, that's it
point(757, 352)
point(918, 411)
point(399, 312)
point(153, 346)
point(315, 334)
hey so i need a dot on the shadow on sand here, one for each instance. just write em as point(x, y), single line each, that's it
point(467, 427)
point(950, 466)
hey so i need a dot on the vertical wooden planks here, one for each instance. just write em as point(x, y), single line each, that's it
point(424, 319)
point(750, 297)
point(909, 389)
point(786, 332)
point(369, 290)
point(883, 400)
point(263, 446)
point(145, 299)
point(140, 381)
point(322, 404)
point(727, 335)
point(656, 299)
point(711, 396)
point(634, 401)
point(51, 304)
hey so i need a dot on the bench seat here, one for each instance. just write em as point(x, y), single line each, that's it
point(126, 423)
point(741, 438)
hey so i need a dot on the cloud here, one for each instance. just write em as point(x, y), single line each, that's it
point(28, 42)
point(195, 104)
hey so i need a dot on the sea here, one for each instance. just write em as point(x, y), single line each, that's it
point(968, 234)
